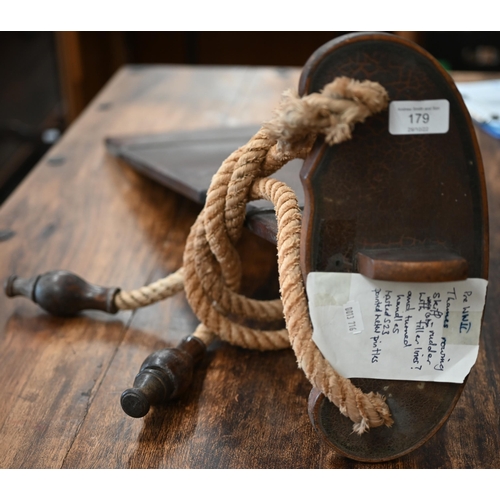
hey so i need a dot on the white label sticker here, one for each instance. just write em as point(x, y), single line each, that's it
point(393, 330)
point(419, 117)
point(353, 317)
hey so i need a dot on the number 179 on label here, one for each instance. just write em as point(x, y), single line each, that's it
point(419, 117)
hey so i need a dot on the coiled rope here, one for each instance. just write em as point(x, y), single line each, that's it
point(211, 271)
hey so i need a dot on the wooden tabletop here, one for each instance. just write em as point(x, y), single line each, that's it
point(83, 210)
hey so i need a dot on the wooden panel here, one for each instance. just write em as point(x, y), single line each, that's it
point(414, 206)
point(187, 161)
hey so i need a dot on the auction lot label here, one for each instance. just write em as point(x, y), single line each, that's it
point(419, 117)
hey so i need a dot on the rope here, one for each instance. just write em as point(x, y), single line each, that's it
point(211, 271)
point(152, 293)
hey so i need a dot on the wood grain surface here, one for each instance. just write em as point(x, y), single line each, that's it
point(85, 211)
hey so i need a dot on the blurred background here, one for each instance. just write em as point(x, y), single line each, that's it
point(47, 78)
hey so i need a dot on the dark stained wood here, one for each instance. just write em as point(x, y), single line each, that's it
point(385, 202)
point(186, 161)
point(164, 375)
point(62, 293)
point(412, 427)
point(88, 58)
point(411, 264)
point(61, 379)
point(182, 161)
point(434, 197)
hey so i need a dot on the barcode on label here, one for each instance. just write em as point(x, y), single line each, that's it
point(353, 317)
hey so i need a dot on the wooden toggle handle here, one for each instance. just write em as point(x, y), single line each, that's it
point(62, 293)
point(422, 265)
point(164, 375)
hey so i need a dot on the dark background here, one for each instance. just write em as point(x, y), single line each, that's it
point(47, 78)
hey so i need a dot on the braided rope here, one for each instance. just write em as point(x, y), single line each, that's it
point(152, 293)
point(365, 410)
point(211, 269)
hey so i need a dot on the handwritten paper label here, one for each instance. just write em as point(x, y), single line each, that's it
point(419, 117)
point(392, 330)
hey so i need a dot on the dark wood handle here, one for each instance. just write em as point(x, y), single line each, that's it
point(163, 376)
point(62, 293)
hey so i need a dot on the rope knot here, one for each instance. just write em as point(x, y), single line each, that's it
point(332, 112)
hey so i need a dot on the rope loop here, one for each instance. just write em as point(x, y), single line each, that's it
point(211, 272)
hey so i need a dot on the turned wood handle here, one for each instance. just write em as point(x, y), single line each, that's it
point(62, 293)
point(163, 376)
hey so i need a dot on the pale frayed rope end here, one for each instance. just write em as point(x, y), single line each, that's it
point(370, 94)
point(332, 112)
point(361, 427)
